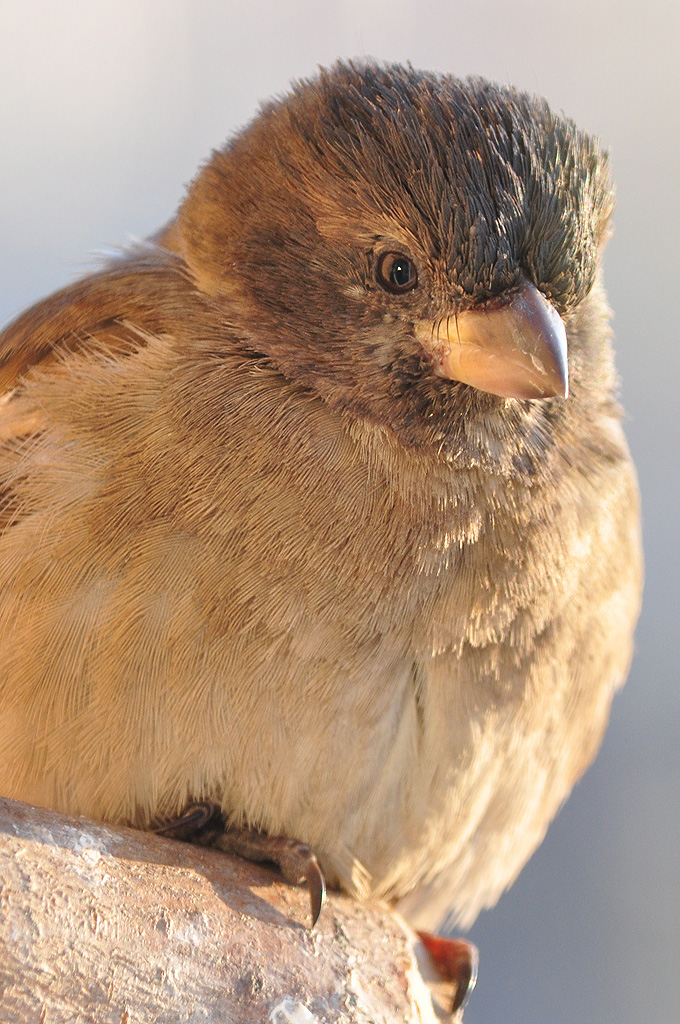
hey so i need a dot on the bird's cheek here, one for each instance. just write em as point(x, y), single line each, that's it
point(514, 346)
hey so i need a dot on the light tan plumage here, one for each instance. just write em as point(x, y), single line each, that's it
point(254, 550)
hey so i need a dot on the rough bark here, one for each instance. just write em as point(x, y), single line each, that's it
point(114, 926)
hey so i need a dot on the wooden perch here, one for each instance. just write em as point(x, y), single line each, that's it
point(109, 925)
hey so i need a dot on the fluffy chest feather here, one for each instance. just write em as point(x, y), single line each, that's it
point(419, 639)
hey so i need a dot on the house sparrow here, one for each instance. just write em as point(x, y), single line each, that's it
point(317, 506)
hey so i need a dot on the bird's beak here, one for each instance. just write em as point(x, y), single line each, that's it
point(514, 346)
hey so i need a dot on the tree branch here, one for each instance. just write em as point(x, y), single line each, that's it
point(110, 925)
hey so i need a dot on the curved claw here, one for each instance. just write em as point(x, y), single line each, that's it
point(299, 864)
point(317, 888)
point(469, 969)
point(456, 961)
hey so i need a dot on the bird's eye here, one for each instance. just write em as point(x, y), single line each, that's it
point(396, 272)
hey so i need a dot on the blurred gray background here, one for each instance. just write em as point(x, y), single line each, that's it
point(107, 109)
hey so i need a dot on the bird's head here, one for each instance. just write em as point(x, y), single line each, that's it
point(413, 248)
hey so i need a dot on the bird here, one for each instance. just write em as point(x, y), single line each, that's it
point(316, 506)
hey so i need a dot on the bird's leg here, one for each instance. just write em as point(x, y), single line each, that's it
point(456, 961)
point(205, 823)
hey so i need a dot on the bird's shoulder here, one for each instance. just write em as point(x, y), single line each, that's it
point(133, 289)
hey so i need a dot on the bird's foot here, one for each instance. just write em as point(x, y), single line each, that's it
point(205, 823)
point(456, 962)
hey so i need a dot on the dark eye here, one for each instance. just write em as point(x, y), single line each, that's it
point(396, 272)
